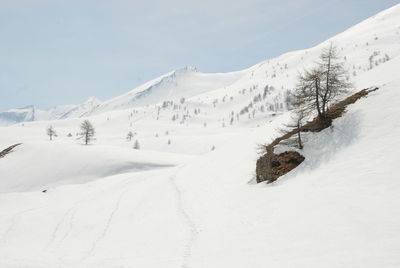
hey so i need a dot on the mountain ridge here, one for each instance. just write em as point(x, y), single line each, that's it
point(375, 44)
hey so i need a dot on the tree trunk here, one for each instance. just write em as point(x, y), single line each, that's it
point(327, 86)
point(300, 143)
point(317, 97)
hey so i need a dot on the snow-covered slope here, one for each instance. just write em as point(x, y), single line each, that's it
point(187, 198)
point(183, 83)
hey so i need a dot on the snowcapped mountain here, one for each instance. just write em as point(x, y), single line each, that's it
point(68, 111)
point(18, 115)
point(186, 198)
point(363, 47)
point(183, 83)
point(29, 113)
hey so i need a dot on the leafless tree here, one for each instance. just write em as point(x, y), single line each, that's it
point(298, 119)
point(51, 132)
point(129, 136)
point(87, 131)
point(320, 86)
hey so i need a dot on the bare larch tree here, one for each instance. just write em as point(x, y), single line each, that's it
point(320, 86)
point(129, 136)
point(298, 119)
point(87, 131)
point(51, 132)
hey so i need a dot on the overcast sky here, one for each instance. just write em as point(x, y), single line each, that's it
point(60, 52)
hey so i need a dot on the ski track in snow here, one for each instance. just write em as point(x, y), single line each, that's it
point(107, 226)
point(70, 225)
point(57, 228)
point(14, 222)
point(190, 223)
point(69, 214)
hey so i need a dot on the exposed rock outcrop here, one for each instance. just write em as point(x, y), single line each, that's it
point(271, 166)
point(8, 150)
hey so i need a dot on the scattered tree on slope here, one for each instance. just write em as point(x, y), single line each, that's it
point(320, 86)
point(297, 122)
point(271, 166)
point(129, 136)
point(51, 132)
point(87, 131)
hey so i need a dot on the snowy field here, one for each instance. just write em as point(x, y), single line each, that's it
point(187, 197)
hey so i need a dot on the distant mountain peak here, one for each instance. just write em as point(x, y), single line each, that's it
point(186, 69)
point(17, 115)
point(93, 101)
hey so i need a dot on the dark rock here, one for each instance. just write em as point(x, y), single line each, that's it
point(271, 166)
point(8, 150)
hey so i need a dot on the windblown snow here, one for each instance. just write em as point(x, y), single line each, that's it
point(186, 198)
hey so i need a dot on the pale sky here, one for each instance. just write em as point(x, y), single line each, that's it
point(56, 52)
